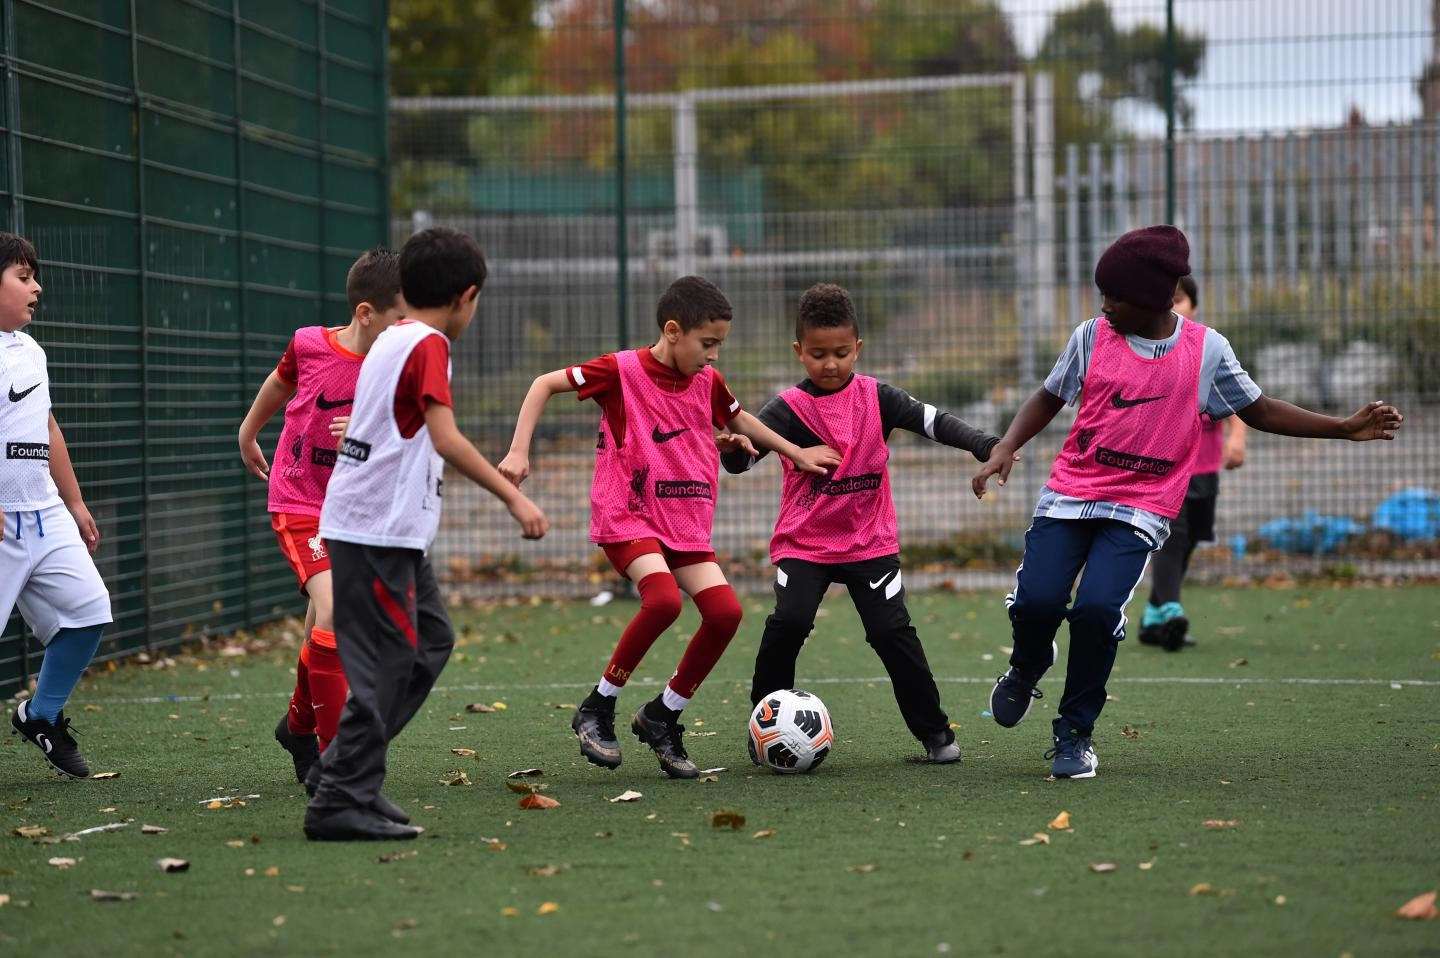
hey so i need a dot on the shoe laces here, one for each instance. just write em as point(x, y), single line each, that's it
point(604, 719)
point(1069, 747)
point(676, 734)
point(1012, 680)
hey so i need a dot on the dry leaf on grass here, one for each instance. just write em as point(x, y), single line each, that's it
point(1204, 888)
point(480, 707)
point(509, 911)
point(455, 777)
point(463, 752)
point(862, 869)
point(764, 833)
point(32, 831)
point(545, 871)
point(1217, 823)
point(538, 801)
point(527, 773)
point(64, 863)
point(396, 856)
point(173, 865)
point(235, 843)
point(1130, 732)
point(1239, 662)
point(1060, 823)
point(626, 796)
point(724, 817)
point(548, 908)
point(1040, 839)
point(708, 778)
point(1101, 868)
point(106, 775)
point(1419, 908)
point(97, 894)
point(494, 844)
point(153, 830)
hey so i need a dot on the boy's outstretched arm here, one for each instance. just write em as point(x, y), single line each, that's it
point(516, 464)
point(62, 472)
point(1374, 420)
point(1033, 415)
point(817, 459)
point(455, 449)
point(273, 395)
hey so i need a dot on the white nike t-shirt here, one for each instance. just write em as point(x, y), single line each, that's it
point(25, 483)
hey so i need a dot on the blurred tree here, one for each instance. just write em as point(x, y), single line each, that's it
point(1096, 66)
point(462, 47)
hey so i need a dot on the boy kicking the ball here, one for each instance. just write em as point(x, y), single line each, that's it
point(841, 527)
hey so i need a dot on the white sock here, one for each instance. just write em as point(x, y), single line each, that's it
point(673, 701)
point(607, 688)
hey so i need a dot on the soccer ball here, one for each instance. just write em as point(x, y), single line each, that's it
point(790, 732)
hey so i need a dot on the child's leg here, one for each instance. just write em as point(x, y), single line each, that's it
point(720, 615)
point(660, 606)
point(326, 685)
point(66, 657)
point(1115, 566)
point(799, 587)
point(376, 632)
point(300, 720)
point(434, 641)
point(1055, 551)
point(879, 595)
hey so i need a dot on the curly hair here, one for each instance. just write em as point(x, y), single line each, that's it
point(825, 306)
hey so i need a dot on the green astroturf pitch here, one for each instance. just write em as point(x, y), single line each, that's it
point(1273, 791)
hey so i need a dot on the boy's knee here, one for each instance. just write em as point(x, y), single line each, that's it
point(660, 596)
point(1092, 619)
point(720, 608)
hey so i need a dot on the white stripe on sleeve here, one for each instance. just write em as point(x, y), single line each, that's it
point(930, 412)
point(576, 376)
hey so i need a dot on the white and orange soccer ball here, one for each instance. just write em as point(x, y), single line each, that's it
point(790, 732)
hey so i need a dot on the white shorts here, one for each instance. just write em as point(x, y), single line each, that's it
point(45, 566)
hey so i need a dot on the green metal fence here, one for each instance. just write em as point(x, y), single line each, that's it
point(197, 176)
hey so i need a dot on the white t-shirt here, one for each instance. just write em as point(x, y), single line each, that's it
point(25, 483)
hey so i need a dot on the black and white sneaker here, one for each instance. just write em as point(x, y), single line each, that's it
point(1015, 692)
point(52, 738)
point(941, 748)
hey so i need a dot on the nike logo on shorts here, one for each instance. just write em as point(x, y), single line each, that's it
point(659, 436)
point(322, 403)
point(16, 397)
point(880, 581)
point(1120, 402)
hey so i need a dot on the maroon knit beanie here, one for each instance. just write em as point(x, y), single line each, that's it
point(1142, 267)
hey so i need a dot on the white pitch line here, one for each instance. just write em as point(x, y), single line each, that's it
point(804, 683)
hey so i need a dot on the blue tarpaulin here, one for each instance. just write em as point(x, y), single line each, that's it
point(1411, 514)
point(1312, 533)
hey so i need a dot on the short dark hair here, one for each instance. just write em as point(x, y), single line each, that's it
point(1187, 283)
point(692, 301)
point(439, 264)
point(17, 249)
point(374, 279)
point(825, 306)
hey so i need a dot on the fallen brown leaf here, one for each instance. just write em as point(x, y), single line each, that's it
point(527, 773)
point(1239, 662)
point(480, 707)
point(862, 869)
point(97, 894)
point(153, 830)
point(1204, 888)
point(548, 908)
point(1101, 868)
point(538, 801)
point(173, 865)
point(455, 777)
point(545, 871)
point(106, 775)
point(725, 817)
point(708, 778)
point(764, 833)
point(1216, 823)
point(1130, 732)
point(396, 856)
point(1060, 823)
point(272, 872)
point(1419, 908)
point(235, 843)
point(32, 831)
point(1040, 839)
point(626, 796)
point(463, 752)
point(64, 863)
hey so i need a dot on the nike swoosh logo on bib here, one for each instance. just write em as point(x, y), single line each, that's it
point(1120, 402)
point(322, 403)
point(659, 436)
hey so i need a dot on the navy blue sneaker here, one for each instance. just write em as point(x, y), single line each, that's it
point(1073, 757)
point(1015, 692)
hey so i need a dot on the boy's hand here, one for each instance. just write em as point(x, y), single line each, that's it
point(1375, 420)
point(533, 523)
point(338, 425)
point(728, 441)
point(254, 459)
point(1001, 460)
point(817, 459)
point(1234, 455)
point(89, 531)
point(516, 468)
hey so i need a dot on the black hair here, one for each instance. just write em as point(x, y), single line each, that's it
point(1187, 283)
point(825, 306)
point(438, 265)
point(17, 249)
point(374, 279)
point(692, 301)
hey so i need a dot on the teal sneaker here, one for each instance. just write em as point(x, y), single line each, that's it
point(1165, 626)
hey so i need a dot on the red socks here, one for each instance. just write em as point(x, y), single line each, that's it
point(320, 689)
point(659, 608)
point(720, 615)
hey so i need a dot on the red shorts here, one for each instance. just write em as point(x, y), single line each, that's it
point(301, 543)
point(621, 554)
